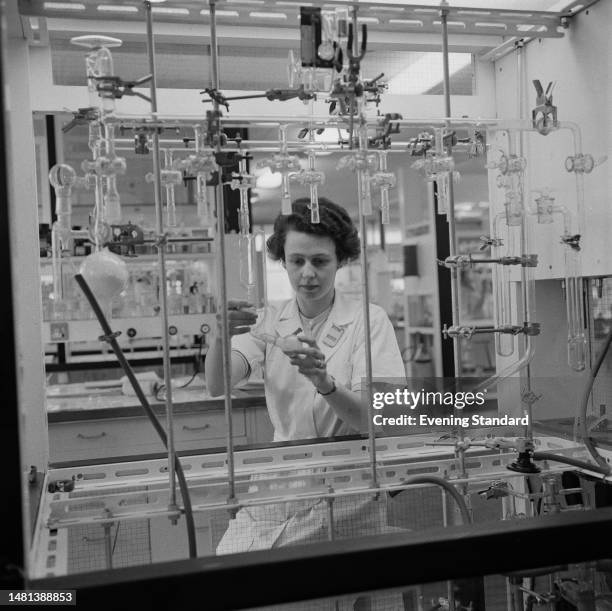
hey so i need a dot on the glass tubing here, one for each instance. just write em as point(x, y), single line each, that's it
point(491, 124)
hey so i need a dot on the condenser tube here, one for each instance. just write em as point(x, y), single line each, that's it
point(247, 266)
point(285, 193)
point(384, 190)
point(92, 168)
point(363, 175)
point(170, 201)
point(576, 340)
point(314, 195)
point(504, 342)
point(112, 203)
point(203, 208)
point(384, 205)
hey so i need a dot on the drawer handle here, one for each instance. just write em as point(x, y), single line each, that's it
point(196, 428)
point(99, 436)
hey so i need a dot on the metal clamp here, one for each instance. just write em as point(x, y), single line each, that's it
point(161, 240)
point(457, 261)
point(109, 338)
point(544, 115)
point(529, 397)
point(573, 241)
point(523, 260)
point(488, 241)
point(497, 490)
point(463, 332)
point(115, 87)
point(82, 116)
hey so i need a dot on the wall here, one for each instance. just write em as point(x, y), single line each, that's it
point(579, 63)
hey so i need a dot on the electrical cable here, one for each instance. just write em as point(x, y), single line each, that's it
point(115, 539)
point(448, 487)
point(581, 417)
point(574, 462)
point(111, 338)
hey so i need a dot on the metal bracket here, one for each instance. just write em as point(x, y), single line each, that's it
point(544, 115)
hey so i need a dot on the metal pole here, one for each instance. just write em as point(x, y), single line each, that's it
point(450, 215)
point(220, 208)
point(108, 546)
point(451, 190)
point(451, 221)
point(365, 291)
point(526, 393)
point(161, 257)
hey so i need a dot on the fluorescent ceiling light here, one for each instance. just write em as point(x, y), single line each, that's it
point(117, 8)
point(221, 13)
point(64, 6)
point(261, 15)
point(386, 9)
point(168, 10)
point(416, 22)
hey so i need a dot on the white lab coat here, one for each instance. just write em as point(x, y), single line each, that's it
point(298, 412)
point(296, 409)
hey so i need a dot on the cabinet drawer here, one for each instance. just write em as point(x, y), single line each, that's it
point(130, 436)
point(207, 425)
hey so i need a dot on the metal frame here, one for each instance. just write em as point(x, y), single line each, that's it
point(372, 564)
point(410, 18)
point(362, 565)
point(138, 489)
point(12, 549)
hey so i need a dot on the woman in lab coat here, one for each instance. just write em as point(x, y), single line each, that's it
point(312, 391)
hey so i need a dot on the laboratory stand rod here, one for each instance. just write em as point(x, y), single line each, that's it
point(454, 272)
point(163, 120)
point(178, 121)
point(108, 545)
point(161, 257)
point(527, 314)
point(225, 336)
point(365, 289)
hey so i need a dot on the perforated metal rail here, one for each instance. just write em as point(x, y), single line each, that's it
point(138, 489)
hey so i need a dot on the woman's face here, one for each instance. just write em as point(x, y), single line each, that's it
point(311, 264)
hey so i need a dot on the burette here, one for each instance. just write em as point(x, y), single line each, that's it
point(243, 181)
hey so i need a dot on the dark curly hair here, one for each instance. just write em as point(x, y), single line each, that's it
point(335, 223)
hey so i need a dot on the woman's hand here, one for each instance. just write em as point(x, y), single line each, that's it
point(310, 362)
point(241, 316)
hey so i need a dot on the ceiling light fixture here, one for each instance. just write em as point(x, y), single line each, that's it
point(261, 15)
point(117, 8)
point(168, 10)
point(64, 6)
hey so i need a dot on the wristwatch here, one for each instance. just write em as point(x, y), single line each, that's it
point(331, 391)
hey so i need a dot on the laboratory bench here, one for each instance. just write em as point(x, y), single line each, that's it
point(89, 425)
